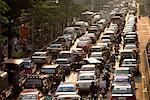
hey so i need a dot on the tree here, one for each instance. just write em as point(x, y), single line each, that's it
point(16, 6)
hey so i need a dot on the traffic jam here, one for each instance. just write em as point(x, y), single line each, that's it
point(100, 55)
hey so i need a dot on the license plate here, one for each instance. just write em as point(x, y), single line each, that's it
point(121, 98)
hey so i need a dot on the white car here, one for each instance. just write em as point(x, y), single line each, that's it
point(97, 55)
point(90, 68)
point(41, 57)
point(69, 97)
point(84, 80)
point(66, 89)
point(132, 64)
point(123, 92)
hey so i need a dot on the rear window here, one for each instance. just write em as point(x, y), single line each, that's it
point(65, 89)
point(64, 55)
point(122, 72)
point(37, 81)
point(48, 70)
point(39, 55)
point(62, 62)
point(28, 97)
point(129, 62)
point(121, 91)
point(86, 78)
point(88, 69)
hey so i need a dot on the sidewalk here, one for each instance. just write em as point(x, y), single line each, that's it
point(143, 29)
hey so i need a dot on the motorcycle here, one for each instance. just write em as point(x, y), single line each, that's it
point(93, 96)
point(103, 92)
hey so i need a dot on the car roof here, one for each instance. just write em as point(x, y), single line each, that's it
point(87, 74)
point(92, 60)
point(88, 65)
point(96, 53)
point(121, 85)
point(40, 52)
point(65, 52)
point(62, 59)
point(129, 60)
point(30, 91)
point(71, 95)
point(13, 61)
point(66, 85)
point(122, 68)
point(50, 66)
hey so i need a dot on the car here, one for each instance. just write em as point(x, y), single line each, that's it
point(41, 57)
point(94, 61)
point(79, 54)
point(71, 31)
point(29, 66)
point(105, 36)
point(92, 36)
point(94, 29)
point(66, 89)
point(85, 38)
point(55, 72)
point(90, 68)
point(69, 38)
point(67, 55)
point(85, 45)
point(106, 41)
point(130, 40)
point(132, 64)
point(65, 64)
point(127, 54)
point(80, 27)
point(102, 22)
point(122, 71)
point(84, 81)
point(31, 94)
point(63, 40)
point(122, 80)
point(41, 82)
point(131, 47)
point(98, 56)
point(55, 48)
point(123, 92)
point(70, 97)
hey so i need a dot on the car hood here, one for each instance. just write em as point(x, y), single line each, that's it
point(65, 93)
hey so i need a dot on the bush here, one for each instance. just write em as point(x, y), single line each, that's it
point(20, 54)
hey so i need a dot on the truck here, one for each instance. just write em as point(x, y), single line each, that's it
point(5, 88)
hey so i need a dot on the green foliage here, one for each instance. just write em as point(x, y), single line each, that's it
point(2, 39)
point(3, 10)
point(20, 54)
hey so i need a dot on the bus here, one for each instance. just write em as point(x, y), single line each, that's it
point(15, 70)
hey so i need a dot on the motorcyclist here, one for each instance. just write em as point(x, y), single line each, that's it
point(93, 88)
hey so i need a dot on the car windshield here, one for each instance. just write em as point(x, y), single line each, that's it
point(55, 46)
point(62, 62)
point(84, 38)
point(48, 70)
point(64, 55)
point(130, 47)
point(86, 78)
point(121, 72)
point(39, 54)
point(129, 40)
point(96, 55)
point(129, 62)
point(60, 40)
point(88, 69)
point(32, 81)
point(28, 97)
point(121, 80)
point(26, 64)
point(95, 49)
point(65, 89)
point(121, 91)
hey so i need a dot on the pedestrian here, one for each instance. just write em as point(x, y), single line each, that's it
point(49, 96)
